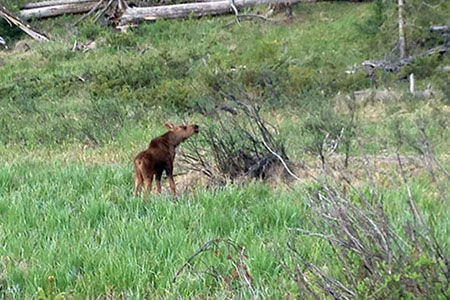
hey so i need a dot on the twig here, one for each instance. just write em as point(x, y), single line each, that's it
point(236, 12)
point(429, 149)
point(203, 248)
point(299, 278)
point(89, 13)
point(411, 202)
point(433, 6)
point(319, 235)
point(254, 16)
point(243, 273)
point(327, 278)
point(75, 45)
point(281, 160)
point(102, 12)
point(264, 133)
point(238, 266)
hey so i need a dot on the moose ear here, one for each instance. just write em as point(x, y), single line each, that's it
point(169, 125)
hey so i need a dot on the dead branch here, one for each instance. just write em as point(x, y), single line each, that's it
point(103, 11)
point(243, 272)
point(429, 158)
point(332, 283)
point(94, 9)
point(12, 19)
point(411, 202)
point(298, 276)
point(3, 42)
point(395, 66)
point(281, 160)
point(365, 242)
point(240, 268)
point(264, 134)
point(249, 16)
point(442, 30)
point(240, 146)
point(205, 247)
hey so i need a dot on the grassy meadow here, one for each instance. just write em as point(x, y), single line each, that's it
point(81, 225)
point(71, 123)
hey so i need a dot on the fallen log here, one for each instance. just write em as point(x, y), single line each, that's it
point(53, 3)
point(443, 30)
point(146, 3)
point(176, 11)
point(395, 66)
point(57, 10)
point(12, 19)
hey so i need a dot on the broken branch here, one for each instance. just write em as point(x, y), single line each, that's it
point(13, 20)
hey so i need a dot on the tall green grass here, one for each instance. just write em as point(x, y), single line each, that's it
point(83, 226)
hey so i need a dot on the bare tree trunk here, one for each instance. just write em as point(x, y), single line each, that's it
point(139, 14)
point(12, 19)
point(57, 10)
point(401, 30)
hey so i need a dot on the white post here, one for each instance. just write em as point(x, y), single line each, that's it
point(411, 83)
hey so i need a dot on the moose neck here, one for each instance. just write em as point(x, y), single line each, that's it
point(173, 139)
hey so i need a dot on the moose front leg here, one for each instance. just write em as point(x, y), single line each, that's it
point(169, 172)
point(158, 180)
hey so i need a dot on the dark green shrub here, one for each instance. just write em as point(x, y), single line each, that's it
point(173, 93)
point(90, 31)
point(423, 67)
point(302, 79)
point(323, 130)
point(121, 40)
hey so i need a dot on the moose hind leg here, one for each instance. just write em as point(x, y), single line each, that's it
point(148, 184)
point(137, 181)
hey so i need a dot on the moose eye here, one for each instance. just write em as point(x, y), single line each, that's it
point(184, 127)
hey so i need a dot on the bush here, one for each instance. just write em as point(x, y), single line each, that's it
point(325, 131)
point(173, 94)
point(371, 258)
point(241, 145)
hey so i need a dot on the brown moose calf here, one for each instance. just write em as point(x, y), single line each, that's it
point(158, 157)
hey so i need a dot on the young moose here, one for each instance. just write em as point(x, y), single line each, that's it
point(158, 157)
